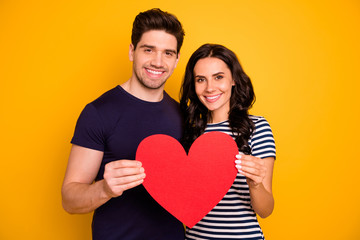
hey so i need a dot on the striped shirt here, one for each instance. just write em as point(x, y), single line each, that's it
point(233, 217)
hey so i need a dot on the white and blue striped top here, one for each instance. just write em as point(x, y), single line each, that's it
point(233, 217)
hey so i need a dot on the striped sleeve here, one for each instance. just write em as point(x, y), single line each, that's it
point(262, 141)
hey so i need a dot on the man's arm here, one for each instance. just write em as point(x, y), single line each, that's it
point(80, 194)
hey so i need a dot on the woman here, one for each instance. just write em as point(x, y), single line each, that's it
point(216, 95)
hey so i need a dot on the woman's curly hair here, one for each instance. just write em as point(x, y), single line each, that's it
point(196, 115)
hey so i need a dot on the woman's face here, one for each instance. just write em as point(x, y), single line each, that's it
point(213, 84)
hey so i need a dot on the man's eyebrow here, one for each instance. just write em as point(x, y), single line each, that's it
point(147, 46)
point(171, 50)
point(153, 47)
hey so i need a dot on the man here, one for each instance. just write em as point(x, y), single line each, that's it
point(101, 175)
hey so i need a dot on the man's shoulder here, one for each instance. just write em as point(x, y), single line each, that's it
point(170, 100)
point(108, 96)
point(108, 104)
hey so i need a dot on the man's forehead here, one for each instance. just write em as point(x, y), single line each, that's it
point(159, 39)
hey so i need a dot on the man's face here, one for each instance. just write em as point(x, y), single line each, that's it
point(154, 58)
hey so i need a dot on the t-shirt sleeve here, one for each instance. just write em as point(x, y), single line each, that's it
point(89, 131)
point(262, 141)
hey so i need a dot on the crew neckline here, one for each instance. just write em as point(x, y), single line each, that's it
point(219, 123)
point(141, 100)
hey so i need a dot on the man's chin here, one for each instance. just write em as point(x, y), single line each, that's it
point(154, 85)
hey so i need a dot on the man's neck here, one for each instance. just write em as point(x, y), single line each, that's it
point(138, 90)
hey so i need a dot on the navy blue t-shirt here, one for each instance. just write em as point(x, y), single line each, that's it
point(116, 123)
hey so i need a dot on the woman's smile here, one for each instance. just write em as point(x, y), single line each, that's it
point(213, 86)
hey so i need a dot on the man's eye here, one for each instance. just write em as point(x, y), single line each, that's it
point(147, 50)
point(169, 53)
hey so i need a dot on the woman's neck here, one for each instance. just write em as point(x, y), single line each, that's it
point(216, 119)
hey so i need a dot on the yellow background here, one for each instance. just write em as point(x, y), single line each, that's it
point(303, 57)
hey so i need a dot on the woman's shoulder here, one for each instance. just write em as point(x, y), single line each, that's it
point(260, 122)
point(257, 119)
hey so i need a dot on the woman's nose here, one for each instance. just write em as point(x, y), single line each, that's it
point(210, 86)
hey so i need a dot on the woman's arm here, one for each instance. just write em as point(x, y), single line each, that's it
point(258, 174)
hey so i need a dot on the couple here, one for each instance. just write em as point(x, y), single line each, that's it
point(215, 96)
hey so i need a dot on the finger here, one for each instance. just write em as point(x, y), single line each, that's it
point(131, 185)
point(241, 156)
point(252, 177)
point(252, 170)
point(252, 180)
point(250, 161)
point(245, 163)
point(128, 179)
point(251, 164)
point(119, 189)
point(247, 158)
point(124, 164)
point(122, 172)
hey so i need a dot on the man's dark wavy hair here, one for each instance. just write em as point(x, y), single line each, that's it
point(196, 115)
point(156, 19)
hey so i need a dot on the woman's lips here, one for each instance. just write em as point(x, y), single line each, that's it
point(212, 98)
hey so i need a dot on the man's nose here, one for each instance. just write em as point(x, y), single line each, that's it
point(157, 60)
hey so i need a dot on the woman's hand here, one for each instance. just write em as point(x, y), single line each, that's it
point(253, 168)
point(258, 173)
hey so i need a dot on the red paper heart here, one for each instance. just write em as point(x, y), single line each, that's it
point(188, 186)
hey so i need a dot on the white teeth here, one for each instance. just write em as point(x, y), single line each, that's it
point(212, 98)
point(153, 72)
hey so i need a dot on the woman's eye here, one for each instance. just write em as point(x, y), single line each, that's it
point(219, 77)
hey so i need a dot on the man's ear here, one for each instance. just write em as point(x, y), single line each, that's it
point(131, 52)
point(177, 59)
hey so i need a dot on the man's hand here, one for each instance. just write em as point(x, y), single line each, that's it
point(122, 175)
point(82, 194)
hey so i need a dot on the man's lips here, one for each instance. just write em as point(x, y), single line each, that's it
point(154, 72)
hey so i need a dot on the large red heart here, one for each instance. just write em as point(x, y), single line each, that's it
point(188, 186)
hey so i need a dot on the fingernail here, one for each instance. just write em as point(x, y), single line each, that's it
point(239, 156)
point(238, 166)
point(238, 161)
